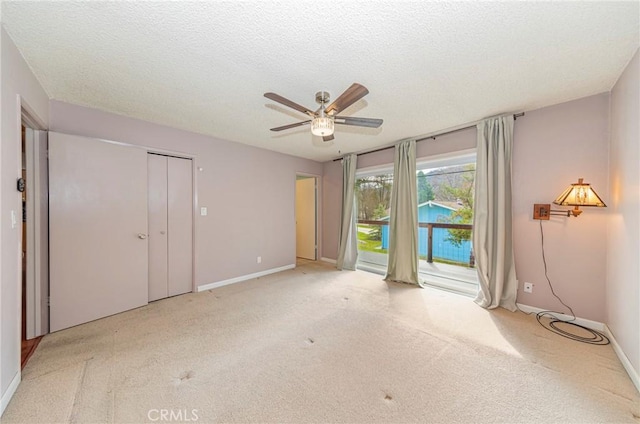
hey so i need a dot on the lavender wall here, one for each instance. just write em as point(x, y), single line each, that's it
point(249, 192)
point(19, 89)
point(332, 201)
point(553, 147)
point(623, 242)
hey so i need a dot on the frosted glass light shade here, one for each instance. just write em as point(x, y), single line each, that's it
point(322, 126)
point(579, 194)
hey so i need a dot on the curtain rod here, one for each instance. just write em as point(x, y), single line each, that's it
point(431, 137)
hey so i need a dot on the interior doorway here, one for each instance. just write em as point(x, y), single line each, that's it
point(307, 217)
point(33, 185)
point(27, 347)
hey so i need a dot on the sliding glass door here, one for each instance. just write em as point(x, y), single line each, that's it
point(373, 193)
point(445, 215)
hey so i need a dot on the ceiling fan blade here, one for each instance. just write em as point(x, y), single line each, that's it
point(278, 98)
point(328, 137)
point(346, 99)
point(286, 127)
point(360, 122)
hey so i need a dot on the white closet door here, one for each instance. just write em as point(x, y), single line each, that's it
point(180, 224)
point(170, 226)
point(98, 226)
point(158, 256)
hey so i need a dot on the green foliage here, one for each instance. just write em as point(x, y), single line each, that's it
point(425, 191)
point(380, 212)
point(461, 216)
point(372, 192)
point(463, 193)
point(376, 231)
point(366, 243)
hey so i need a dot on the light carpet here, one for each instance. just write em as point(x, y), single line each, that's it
point(314, 344)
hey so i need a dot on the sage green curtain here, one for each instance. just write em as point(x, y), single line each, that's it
point(348, 248)
point(492, 227)
point(403, 220)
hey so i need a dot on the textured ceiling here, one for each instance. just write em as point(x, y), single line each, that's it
point(429, 66)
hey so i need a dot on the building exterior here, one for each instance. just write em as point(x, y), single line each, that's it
point(435, 211)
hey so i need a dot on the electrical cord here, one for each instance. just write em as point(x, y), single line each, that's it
point(595, 337)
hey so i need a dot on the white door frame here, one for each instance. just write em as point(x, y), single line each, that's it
point(37, 234)
point(37, 271)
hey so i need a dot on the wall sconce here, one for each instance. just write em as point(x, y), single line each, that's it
point(576, 195)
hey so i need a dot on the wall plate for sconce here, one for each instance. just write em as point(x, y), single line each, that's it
point(541, 211)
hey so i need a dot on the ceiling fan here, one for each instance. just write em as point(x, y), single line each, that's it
point(323, 119)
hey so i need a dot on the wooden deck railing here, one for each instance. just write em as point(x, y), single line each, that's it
point(430, 226)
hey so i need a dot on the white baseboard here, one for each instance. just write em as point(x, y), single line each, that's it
point(633, 374)
point(594, 325)
point(6, 397)
point(244, 277)
point(331, 261)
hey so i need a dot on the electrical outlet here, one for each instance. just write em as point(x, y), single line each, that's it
point(528, 287)
point(259, 259)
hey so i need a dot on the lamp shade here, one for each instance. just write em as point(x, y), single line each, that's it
point(579, 194)
point(322, 126)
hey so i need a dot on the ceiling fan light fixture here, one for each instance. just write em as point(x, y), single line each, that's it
point(322, 126)
point(323, 120)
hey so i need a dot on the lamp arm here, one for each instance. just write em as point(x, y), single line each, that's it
point(544, 211)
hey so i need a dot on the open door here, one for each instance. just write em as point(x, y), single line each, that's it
point(98, 229)
point(306, 230)
point(36, 234)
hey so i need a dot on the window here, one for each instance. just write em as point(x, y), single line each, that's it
point(445, 214)
point(373, 194)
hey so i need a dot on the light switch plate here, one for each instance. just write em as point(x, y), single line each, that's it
point(203, 211)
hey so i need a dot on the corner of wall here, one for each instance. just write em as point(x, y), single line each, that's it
point(623, 226)
point(18, 82)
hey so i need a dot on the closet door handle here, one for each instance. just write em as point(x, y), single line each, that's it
point(142, 236)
